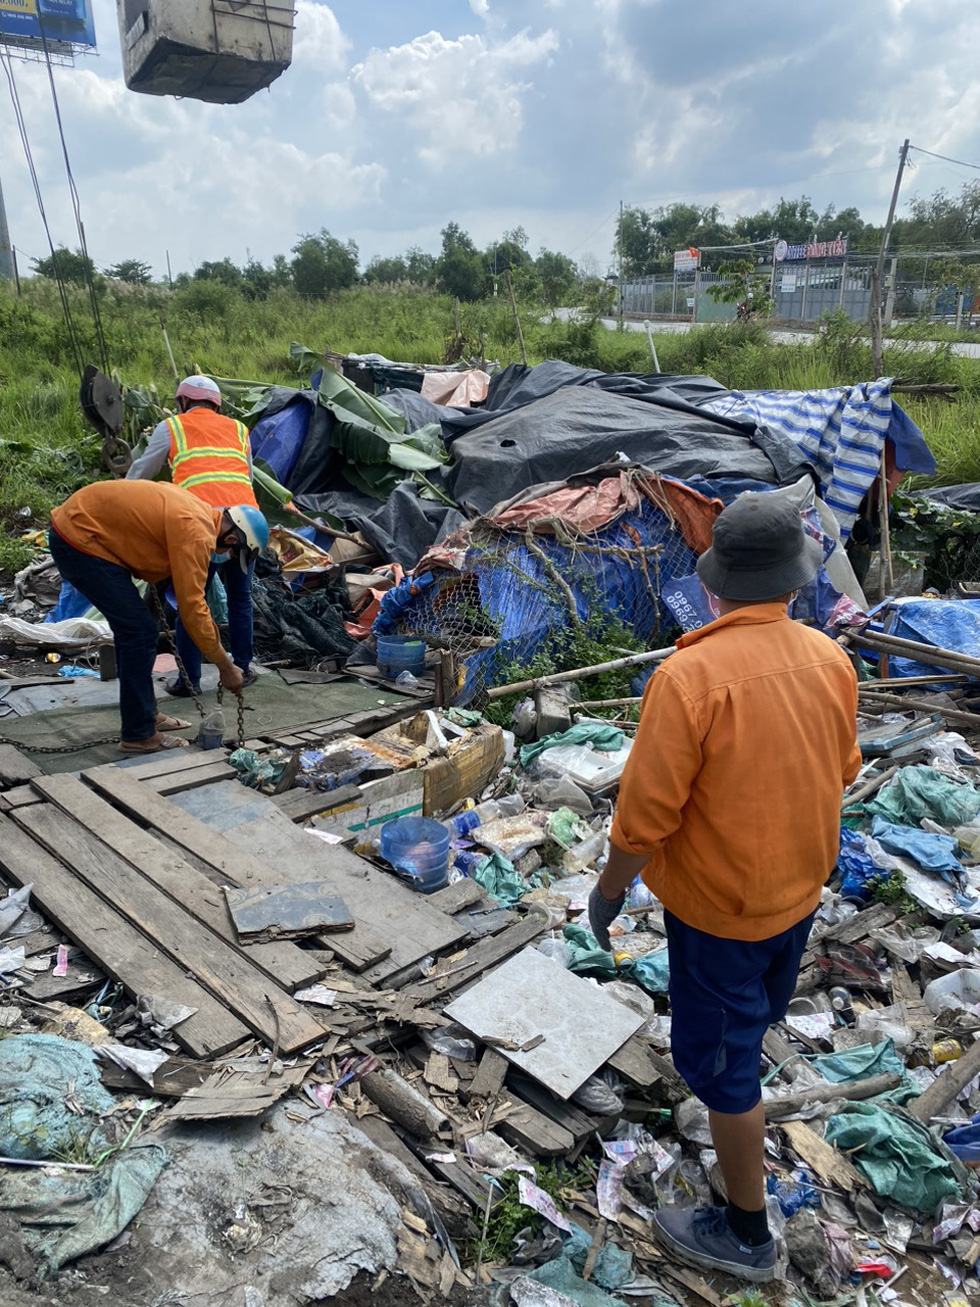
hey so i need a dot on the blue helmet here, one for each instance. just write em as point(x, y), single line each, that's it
point(254, 530)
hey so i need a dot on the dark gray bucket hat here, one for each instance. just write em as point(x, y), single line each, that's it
point(759, 550)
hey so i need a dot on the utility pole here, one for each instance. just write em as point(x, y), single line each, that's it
point(170, 275)
point(620, 244)
point(7, 270)
point(877, 329)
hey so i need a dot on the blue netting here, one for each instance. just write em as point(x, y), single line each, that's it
point(508, 590)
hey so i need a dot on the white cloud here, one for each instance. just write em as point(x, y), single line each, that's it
point(318, 41)
point(480, 7)
point(458, 96)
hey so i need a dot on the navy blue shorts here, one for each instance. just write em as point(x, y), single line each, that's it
point(724, 996)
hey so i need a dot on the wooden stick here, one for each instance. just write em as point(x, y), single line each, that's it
point(517, 316)
point(946, 1086)
point(606, 703)
point(886, 539)
point(865, 791)
point(899, 682)
point(913, 648)
point(879, 698)
point(787, 1104)
point(558, 678)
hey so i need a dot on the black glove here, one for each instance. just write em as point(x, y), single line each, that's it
point(602, 913)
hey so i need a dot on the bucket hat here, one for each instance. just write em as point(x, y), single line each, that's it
point(759, 550)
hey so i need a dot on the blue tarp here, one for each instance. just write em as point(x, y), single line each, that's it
point(841, 431)
point(948, 623)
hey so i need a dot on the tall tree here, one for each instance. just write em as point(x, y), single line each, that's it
point(69, 265)
point(134, 271)
point(459, 268)
point(223, 270)
point(557, 275)
point(323, 265)
point(386, 270)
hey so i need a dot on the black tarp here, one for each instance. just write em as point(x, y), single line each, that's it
point(399, 530)
point(963, 497)
point(579, 427)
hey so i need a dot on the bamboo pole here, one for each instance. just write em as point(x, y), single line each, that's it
point(517, 316)
point(579, 673)
point(866, 790)
point(922, 653)
point(607, 703)
point(882, 700)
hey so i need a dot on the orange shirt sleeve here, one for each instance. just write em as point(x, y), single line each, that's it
point(663, 763)
point(189, 547)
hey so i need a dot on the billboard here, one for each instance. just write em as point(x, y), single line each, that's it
point(687, 260)
point(61, 22)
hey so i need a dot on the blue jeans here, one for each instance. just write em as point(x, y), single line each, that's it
point(110, 589)
point(238, 588)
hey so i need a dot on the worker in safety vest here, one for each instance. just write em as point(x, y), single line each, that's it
point(210, 456)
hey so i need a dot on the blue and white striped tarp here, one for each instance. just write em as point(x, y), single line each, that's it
point(841, 432)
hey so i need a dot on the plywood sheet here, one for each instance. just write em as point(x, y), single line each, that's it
point(531, 998)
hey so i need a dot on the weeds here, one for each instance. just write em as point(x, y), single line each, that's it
point(891, 889)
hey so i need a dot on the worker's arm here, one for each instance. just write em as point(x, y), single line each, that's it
point(657, 780)
point(154, 458)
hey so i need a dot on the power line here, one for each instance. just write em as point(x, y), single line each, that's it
point(598, 229)
point(945, 158)
point(76, 208)
point(8, 68)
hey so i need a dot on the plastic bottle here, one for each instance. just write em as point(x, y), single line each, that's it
point(584, 854)
point(840, 1001)
point(212, 732)
point(509, 806)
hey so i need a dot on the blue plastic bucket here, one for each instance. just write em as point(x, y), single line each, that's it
point(418, 849)
point(400, 653)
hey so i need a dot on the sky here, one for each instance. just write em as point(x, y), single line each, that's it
point(398, 116)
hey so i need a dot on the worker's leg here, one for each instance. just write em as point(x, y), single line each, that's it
point(238, 588)
point(719, 1015)
point(188, 653)
point(111, 590)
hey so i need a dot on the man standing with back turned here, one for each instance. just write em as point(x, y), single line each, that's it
point(730, 810)
point(210, 456)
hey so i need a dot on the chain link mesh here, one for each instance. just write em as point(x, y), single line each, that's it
point(523, 595)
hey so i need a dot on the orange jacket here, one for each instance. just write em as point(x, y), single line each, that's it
point(154, 530)
point(747, 738)
point(209, 457)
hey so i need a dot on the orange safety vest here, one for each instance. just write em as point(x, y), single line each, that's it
point(209, 457)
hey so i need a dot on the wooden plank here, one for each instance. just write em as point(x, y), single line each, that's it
point(634, 1062)
point(188, 888)
point(480, 958)
point(19, 796)
point(221, 969)
point(449, 1206)
point(531, 1129)
point(190, 780)
point(171, 763)
point(490, 1075)
point(832, 1166)
point(301, 803)
point(15, 767)
point(273, 851)
point(578, 1123)
point(464, 893)
point(123, 951)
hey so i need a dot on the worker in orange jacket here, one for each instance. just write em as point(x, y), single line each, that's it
point(210, 456)
point(106, 534)
point(729, 810)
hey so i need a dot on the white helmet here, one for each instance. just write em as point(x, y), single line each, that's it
point(254, 530)
point(200, 390)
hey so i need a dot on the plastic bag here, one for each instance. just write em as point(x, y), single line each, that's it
point(652, 971)
point(602, 1094)
point(452, 1040)
point(560, 792)
point(556, 949)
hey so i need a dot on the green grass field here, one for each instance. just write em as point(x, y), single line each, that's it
point(47, 450)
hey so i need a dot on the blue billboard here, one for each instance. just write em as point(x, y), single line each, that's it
point(31, 22)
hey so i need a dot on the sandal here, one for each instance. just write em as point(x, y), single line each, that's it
point(158, 746)
point(165, 723)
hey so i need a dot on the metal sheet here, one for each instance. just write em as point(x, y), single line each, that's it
point(530, 996)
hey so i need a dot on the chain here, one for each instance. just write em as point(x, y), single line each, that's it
point(187, 680)
point(114, 739)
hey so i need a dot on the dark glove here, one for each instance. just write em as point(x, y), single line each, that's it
point(602, 913)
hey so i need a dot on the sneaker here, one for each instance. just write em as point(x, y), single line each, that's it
point(179, 689)
point(702, 1237)
point(249, 678)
